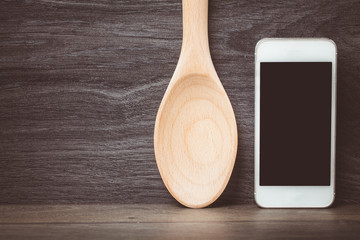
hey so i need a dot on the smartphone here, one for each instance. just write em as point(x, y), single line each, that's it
point(295, 111)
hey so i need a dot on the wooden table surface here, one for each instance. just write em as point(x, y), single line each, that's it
point(80, 85)
point(171, 221)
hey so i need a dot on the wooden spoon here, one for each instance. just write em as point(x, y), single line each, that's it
point(195, 137)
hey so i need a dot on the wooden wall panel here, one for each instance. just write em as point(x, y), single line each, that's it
point(81, 81)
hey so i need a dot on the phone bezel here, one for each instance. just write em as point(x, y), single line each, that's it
point(294, 50)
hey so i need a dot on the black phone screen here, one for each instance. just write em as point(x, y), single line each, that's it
point(295, 123)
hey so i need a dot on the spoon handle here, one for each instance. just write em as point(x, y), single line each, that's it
point(195, 26)
point(195, 52)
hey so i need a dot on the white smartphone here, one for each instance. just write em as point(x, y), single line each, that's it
point(295, 112)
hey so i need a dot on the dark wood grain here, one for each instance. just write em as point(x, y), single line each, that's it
point(169, 221)
point(81, 81)
point(214, 230)
point(170, 213)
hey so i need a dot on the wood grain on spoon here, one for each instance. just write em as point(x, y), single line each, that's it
point(195, 137)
